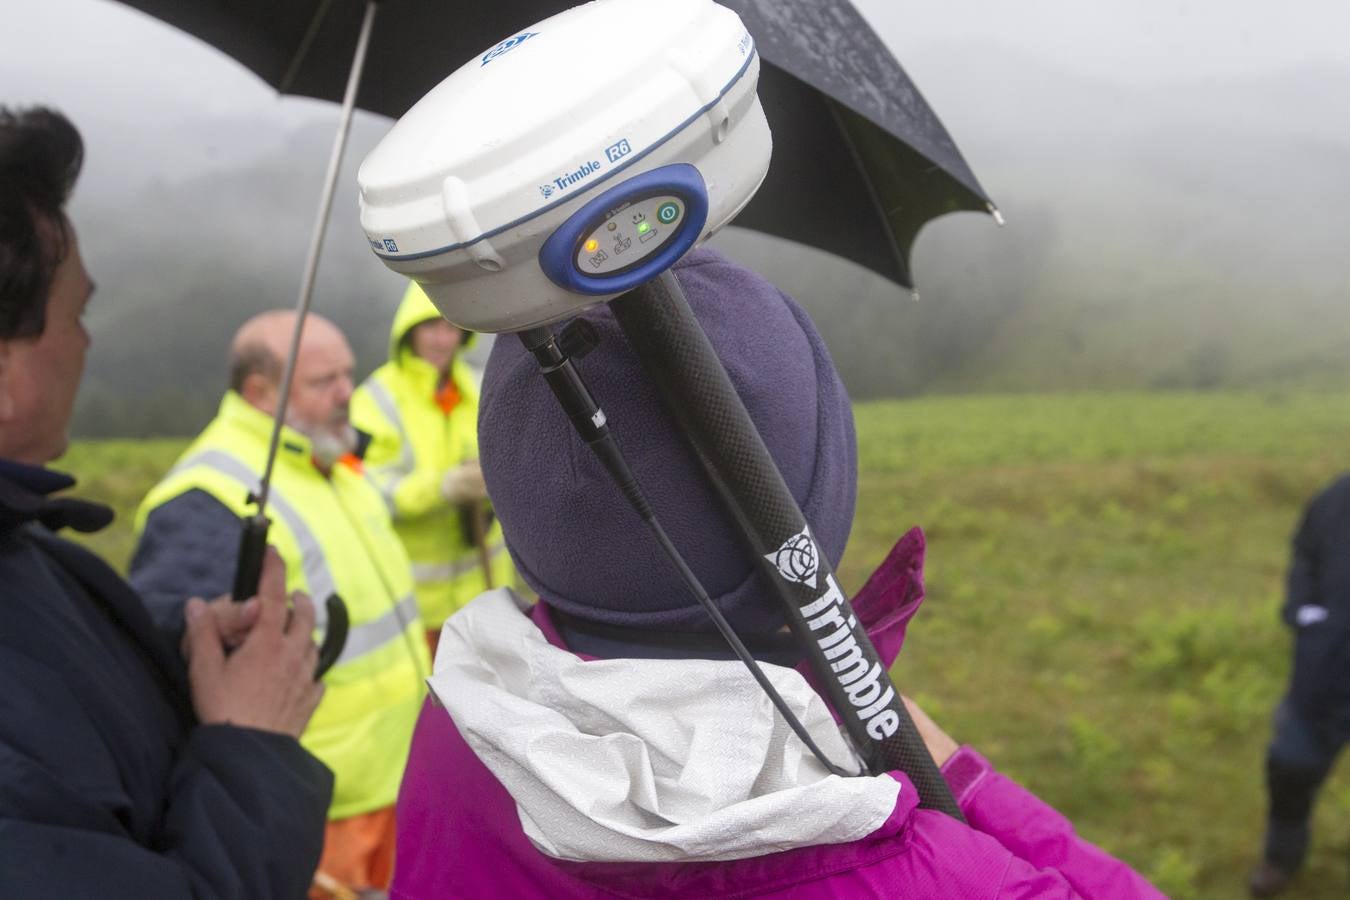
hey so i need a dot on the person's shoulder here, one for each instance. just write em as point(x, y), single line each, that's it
point(383, 374)
point(191, 507)
point(41, 572)
point(216, 436)
point(1336, 492)
point(22, 568)
point(191, 492)
point(388, 384)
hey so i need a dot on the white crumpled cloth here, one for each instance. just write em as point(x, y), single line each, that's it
point(646, 760)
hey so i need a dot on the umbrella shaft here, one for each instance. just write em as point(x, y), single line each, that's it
point(316, 243)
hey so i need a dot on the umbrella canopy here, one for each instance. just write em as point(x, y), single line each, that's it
point(861, 162)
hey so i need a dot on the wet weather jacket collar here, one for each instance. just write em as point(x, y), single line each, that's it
point(24, 497)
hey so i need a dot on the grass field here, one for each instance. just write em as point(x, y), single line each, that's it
point(1104, 573)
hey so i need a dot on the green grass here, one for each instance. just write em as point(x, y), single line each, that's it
point(1102, 590)
point(1104, 573)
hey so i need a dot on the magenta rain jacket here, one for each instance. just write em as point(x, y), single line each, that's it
point(460, 833)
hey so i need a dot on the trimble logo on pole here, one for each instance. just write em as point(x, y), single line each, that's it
point(798, 559)
point(863, 680)
point(867, 687)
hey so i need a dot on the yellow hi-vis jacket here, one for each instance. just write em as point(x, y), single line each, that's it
point(335, 537)
point(413, 444)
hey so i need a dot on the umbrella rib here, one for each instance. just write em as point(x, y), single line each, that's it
point(901, 256)
point(293, 70)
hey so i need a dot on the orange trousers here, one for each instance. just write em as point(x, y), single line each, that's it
point(358, 853)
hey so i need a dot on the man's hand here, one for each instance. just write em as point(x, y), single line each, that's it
point(268, 682)
point(233, 620)
point(464, 483)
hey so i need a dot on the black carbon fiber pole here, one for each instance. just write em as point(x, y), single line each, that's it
point(680, 360)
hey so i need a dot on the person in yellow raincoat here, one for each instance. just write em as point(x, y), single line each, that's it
point(421, 412)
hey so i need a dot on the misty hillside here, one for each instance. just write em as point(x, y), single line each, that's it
point(194, 259)
point(1181, 238)
point(1193, 235)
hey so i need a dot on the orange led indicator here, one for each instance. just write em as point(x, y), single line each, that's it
point(592, 245)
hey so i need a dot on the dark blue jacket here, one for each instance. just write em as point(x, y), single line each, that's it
point(1317, 607)
point(109, 787)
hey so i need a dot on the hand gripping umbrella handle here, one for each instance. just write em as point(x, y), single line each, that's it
point(248, 573)
point(252, 550)
point(696, 389)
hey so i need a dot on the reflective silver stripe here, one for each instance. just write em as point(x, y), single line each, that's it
point(317, 574)
point(429, 572)
point(361, 639)
point(385, 401)
point(375, 634)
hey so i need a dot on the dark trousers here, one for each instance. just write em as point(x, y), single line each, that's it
point(1297, 762)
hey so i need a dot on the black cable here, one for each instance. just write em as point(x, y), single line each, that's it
point(723, 626)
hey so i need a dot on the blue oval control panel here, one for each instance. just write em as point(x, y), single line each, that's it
point(629, 234)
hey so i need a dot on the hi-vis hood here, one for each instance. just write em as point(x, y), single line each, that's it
point(646, 760)
point(415, 308)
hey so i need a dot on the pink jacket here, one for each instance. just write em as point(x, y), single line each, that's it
point(459, 834)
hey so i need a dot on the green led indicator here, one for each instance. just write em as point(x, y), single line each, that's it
point(644, 227)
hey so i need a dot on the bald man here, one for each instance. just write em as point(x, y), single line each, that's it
point(332, 528)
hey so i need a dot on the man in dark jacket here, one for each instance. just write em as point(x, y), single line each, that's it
point(1313, 721)
point(123, 772)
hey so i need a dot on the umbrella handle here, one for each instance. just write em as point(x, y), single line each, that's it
point(334, 636)
point(677, 355)
point(252, 550)
point(248, 573)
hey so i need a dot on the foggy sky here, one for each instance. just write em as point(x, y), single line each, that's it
point(107, 64)
point(1140, 42)
point(1174, 163)
point(65, 42)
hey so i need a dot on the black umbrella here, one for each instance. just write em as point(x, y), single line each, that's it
point(860, 160)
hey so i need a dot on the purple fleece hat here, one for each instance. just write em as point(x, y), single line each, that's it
point(573, 537)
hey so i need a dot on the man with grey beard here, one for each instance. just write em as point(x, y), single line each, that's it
point(333, 530)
